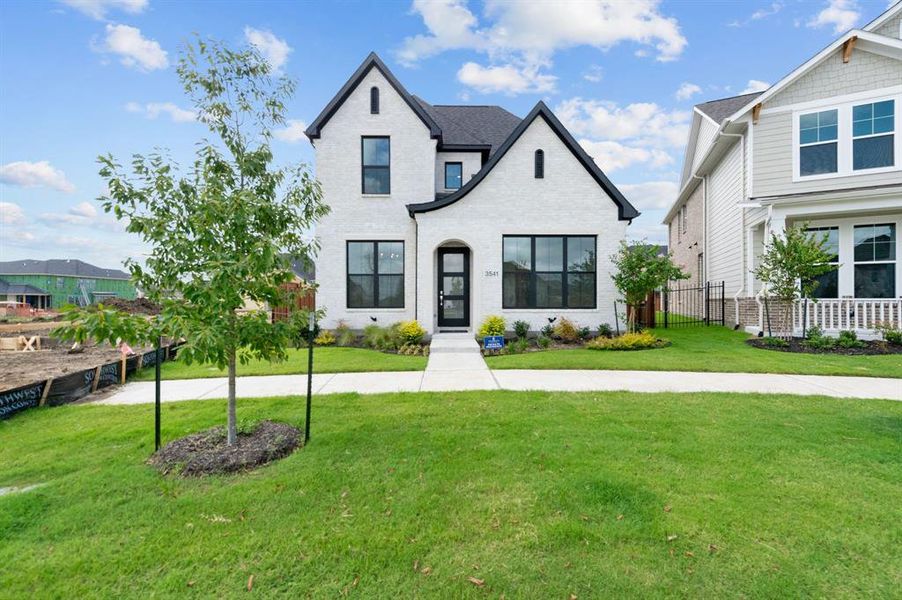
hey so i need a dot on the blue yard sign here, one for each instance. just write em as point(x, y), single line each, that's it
point(493, 342)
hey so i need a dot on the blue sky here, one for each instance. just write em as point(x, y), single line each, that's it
point(86, 77)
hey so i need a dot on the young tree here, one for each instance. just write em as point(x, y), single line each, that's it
point(790, 267)
point(641, 269)
point(218, 232)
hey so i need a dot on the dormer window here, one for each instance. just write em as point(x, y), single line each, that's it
point(454, 174)
point(374, 100)
point(540, 164)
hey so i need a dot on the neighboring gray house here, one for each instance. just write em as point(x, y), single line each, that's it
point(447, 214)
point(822, 146)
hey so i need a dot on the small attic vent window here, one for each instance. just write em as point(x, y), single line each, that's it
point(374, 101)
point(540, 164)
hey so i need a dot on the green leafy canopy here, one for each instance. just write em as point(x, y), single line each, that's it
point(792, 262)
point(639, 270)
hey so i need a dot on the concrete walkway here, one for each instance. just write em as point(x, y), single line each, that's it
point(443, 376)
point(456, 363)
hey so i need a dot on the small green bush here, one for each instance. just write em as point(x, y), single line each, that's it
point(325, 338)
point(411, 332)
point(521, 328)
point(774, 342)
point(604, 330)
point(849, 339)
point(382, 338)
point(891, 334)
point(815, 338)
point(492, 325)
point(343, 334)
point(547, 331)
point(627, 341)
point(518, 346)
point(543, 341)
point(566, 330)
point(584, 333)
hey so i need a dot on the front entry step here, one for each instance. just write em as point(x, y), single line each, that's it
point(454, 352)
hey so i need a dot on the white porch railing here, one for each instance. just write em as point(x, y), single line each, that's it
point(858, 314)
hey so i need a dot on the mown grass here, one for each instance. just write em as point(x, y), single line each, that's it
point(326, 360)
point(539, 495)
point(705, 349)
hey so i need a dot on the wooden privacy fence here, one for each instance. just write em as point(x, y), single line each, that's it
point(304, 299)
point(678, 306)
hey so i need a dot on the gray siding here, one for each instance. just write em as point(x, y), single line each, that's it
point(725, 221)
point(891, 27)
point(866, 71)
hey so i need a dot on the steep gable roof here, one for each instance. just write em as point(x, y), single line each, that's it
point(371, 62)
point(58, 266)
point(718, 110)
point(625, 210)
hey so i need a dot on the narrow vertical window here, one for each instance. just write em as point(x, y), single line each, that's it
point(827, 283)
point(376, 160)
point(374, 100)
point(453, 175)
point(540, 164)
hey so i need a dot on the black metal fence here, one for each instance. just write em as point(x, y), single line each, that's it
point(689, 306)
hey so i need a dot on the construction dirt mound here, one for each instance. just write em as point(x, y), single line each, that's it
point(138, 306)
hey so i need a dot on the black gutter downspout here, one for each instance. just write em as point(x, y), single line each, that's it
point(416, 267)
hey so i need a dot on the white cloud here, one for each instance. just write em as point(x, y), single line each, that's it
point(97, 9)
point(755, 85)
point(645, 121)
point(506, 79)
point(152, 110)
point(292, 132)
point(11, 214)
point(83, 214)
point(687, 90)
point(758, 15)
point(133, 49)
point(651, 195)
point(524, 36)
point(612, 156)
point(273, 49)
point(594, 74)
point(840, 14)
point(34, 174)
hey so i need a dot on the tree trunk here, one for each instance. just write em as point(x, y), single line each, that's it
point(232, 438)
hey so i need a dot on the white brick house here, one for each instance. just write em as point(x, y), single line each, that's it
point(822, 146)
point(447, 214)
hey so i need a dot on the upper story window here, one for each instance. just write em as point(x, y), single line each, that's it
point(873, 127)
point(454, 174)
point(375, 164)
point(818, 148)
point(540, 164)
point(374, 100)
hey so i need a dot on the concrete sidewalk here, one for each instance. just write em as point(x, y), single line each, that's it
point(484, 379)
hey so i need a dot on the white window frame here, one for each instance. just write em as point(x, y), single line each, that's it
point(874, 222)
point(844, 136)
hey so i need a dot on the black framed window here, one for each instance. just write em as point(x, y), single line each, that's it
point(375, 274)
point(875, 261)
point(374, 100)
point(873, 135)
point(540, 164)
point(375, 154)
point(828, 283)
point(549, 271)
point(454, 174)
point(818, 147)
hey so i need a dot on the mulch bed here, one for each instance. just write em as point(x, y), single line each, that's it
point(138, 306)
point(870, 348)
point(206, 453)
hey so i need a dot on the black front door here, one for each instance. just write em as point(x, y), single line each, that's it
point(453, 287)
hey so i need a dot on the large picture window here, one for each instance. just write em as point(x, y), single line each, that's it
point(375, 274)
point(818, 147)
point(828, 283)
point(875, 261)
point(873, 138)
point(548, 272)
point(375, 165)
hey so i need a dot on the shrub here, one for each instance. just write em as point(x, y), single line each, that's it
point(411, 332)
point(382, 338)
point(325, 338)
point(849, 339)
point(543, 341)
point(774, 342)
point(627, 341)
point(891, 334)
point(584, 333)
point(492, 325)
point(604, 330)
point(343, 334)
point(566, 331)
point(547, 331)
point(412, 350)
point(518, 346)
point(521, 328)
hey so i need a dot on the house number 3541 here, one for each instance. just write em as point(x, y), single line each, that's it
point(491, 273)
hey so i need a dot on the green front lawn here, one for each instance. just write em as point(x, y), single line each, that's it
point(538, 495)
point(326, 360)
point(705, 349)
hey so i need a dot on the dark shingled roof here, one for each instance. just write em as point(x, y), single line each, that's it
point(20, 289)
point(57, 266)
point(471, 125)
point(719, 110)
